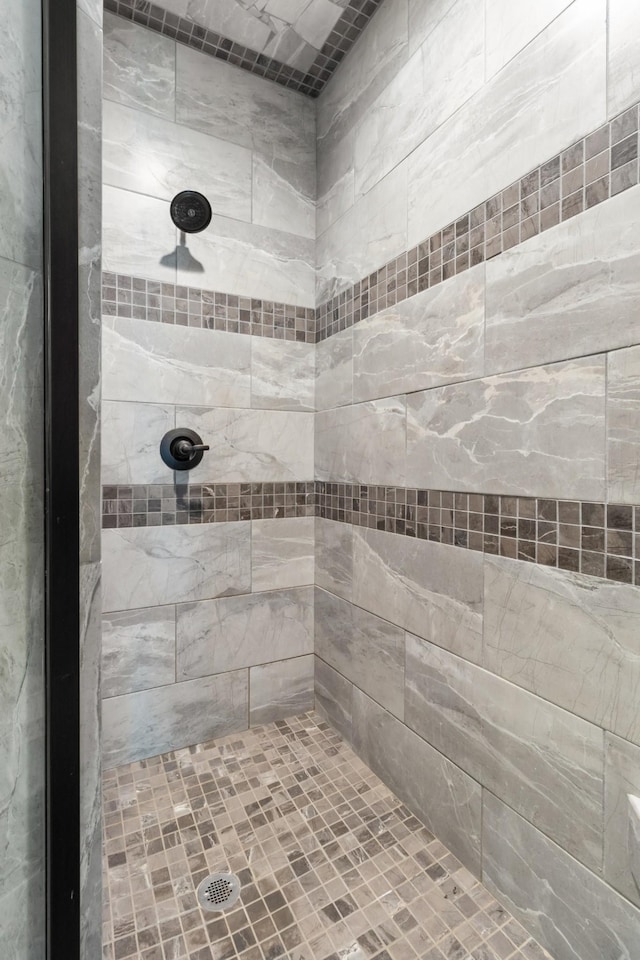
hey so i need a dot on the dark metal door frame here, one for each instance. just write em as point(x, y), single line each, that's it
point(62, 523)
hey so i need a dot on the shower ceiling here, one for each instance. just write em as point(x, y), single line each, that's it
point(298, 43)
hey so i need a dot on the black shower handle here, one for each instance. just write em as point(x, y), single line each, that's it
point(185, 448)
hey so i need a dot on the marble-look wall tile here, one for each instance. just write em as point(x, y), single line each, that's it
point(21, 374)
point(281, 690)
point(334, 370)
point(372, 232)
point(156, 157)
point(569, 638)
point(427, 90)
point(424, 18)
point(159, 363)
point(215, 636)
point(568, 292)
point(282, 553)
point(150, 722)
point(22, 744)
point(252, 261)
point(281, 198)
point(333, 697)
point(336, 181)
point(364, 649)
point(543, 761)
point(509, 28)
point(623, 86)
point(444, 798)
point(623, 433)
point(546, 98)
point(21, 133)
point(92, 9)
point(433, 338)
point(137, 235)
point(131, 435)
point(570, 911)
point(539, 432)
point(373, 61)
point(622, 778)
point(251, 446)
point(334, 557)
point(149, 566)
point(364, 443)
point(138, 650)
point(430, 589)
point(282, 374)
point(277, 124)
point(139, 67)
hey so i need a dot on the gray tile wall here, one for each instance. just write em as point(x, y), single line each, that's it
point(481, 688)
point(207, 627)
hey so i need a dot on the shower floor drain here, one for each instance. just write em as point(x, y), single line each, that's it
point(219, 891)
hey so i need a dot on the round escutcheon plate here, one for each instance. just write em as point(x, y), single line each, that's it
point(190, 211)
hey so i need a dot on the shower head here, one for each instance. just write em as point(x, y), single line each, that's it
point(191, 211)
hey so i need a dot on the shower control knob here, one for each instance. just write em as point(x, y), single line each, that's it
point(182, 449)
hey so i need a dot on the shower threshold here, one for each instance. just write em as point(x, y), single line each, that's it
point(332, 865)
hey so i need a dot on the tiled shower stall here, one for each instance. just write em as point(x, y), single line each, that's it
point(410, 342)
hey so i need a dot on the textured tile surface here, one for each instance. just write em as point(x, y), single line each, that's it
point(331, 862)
point(280, 690)
point(622, 779)
point(138, 650)
point(139, 67)
point(623, 432)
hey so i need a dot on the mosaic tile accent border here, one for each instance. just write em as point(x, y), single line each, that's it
point(599, 539)
point(128, 296)
point(598, 167)
point(154, 505)
point(318, 842)
point(344, 34)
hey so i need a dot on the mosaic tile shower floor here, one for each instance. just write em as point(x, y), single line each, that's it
point(332, 864)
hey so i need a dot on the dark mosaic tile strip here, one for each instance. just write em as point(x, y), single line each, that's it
point(599, 539)
point(127, 296)
point(345, 33)
point(152, 505)
point(590, 171)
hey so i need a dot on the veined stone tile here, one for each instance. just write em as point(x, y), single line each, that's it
point(622, 778)
point(623, 86)
point(364, 649)
point(568, 292)
point(334, 557)
point(424, 18)
point(363, 443)
point(217, 98)
point(538, 432)
point(430, 589)
point(281, 199)
point(21, 133)
point(281, 690)
point(144, 724)
point(427, 90)
point(334, 370)
point(444, 798)
point(251, 446)
point(576, 915)
point(215, 636)
point(139, 67)
point(543, 761)
point(336, 181)
point(623, 432)
point(509, 28)
point(138, 235)
point(371, 64)
point(369, 234)
point(161, 363)
point(21, 374)
point(569, 638)
point(174, 564)
point(156, 157)
point(252, 261)
point(432, 338)
point(282, 553)
point(333, 697)
point(131, 435)
point(282, 374)
point(546, 98)
point(138, 650)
